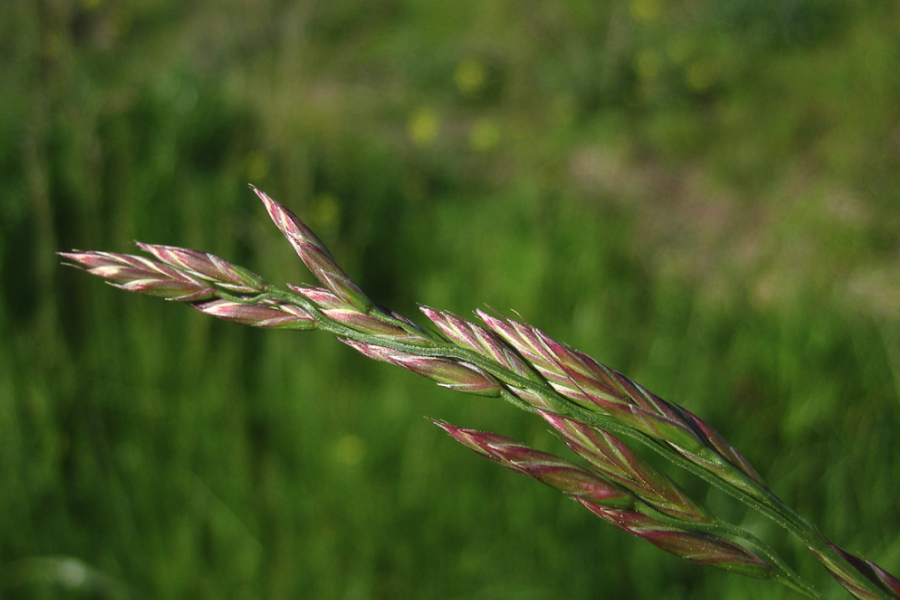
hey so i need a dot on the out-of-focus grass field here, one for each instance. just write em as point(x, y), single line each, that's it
point(704, 195)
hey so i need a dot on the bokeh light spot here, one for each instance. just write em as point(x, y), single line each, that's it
point(349, 450)
point(423, 127)
point(470, 77)
point(645, 10)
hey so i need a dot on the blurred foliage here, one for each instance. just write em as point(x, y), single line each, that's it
point(704, 195)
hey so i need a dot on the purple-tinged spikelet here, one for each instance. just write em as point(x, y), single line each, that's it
point(483, 341)
point(451, 374)
point(208, 266)
point(872, 572)
point(610, 456)
point(141, 275)
point(321, 297)
point(315, 255)
point(695, 546)
point(571, 479)
point(274, 315)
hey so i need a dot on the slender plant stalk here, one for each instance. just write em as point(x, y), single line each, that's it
point(590, 406)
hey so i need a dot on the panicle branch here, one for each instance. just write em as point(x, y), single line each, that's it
point(611, 502)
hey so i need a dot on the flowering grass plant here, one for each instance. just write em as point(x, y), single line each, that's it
point(592, 408)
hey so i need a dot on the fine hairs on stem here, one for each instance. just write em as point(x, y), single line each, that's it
point(593, 409)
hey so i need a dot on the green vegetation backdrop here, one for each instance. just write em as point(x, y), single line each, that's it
point(703, 194)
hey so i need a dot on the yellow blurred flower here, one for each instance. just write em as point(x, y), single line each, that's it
point(423, 127)
point(645, 10)
point(470, 77)
point(349, 450)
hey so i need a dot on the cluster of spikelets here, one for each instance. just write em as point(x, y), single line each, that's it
point(590, 406)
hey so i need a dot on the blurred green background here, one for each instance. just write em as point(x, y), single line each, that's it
point(704, 195)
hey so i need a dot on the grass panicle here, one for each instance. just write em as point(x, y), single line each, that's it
point(592, 408)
